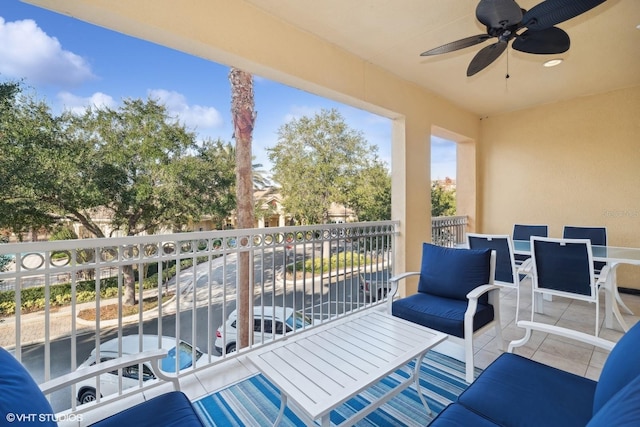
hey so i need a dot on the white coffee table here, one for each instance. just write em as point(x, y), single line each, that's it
point(319, 369)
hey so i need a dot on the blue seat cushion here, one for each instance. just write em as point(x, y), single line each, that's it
point(620, 368)
point(453, 273)
point(171, 409)
point(623, 409)
point(443, 314)
point(515, 390)
point(456, 415)
point(20, 396)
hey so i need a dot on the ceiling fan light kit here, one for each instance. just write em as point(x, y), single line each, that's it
point(505, 21)
point(552, 62)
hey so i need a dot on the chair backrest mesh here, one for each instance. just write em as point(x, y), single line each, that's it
point(524, 231)
point(563, 265)
point(597, 235)
point(500, 244)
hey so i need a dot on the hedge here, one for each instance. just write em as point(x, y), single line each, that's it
point(33, 298)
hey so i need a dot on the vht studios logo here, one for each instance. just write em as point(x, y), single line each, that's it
point(41, 418)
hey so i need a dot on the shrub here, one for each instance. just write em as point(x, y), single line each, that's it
point(337, 261)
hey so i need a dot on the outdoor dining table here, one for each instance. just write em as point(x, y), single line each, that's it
point(613, 256)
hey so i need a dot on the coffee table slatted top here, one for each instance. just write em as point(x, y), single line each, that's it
point(321, 368)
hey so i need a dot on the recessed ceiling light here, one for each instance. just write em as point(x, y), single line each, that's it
point(553, 62)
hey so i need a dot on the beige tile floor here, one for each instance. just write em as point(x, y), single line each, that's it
point(568, 355)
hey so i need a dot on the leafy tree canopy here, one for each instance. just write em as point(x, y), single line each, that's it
point(319, 160)
point(443, 200)
point(142, 168)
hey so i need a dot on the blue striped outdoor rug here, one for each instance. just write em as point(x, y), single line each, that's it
point(255, 401)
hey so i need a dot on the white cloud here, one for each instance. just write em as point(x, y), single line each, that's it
point(78, 104)
point(28, 52)
point(299, 111)
point(193, 116)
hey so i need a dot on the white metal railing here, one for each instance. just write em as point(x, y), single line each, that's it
point(448, 230)
point(193, 276)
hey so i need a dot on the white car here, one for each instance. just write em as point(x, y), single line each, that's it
point(131, 345)
point(375, 286)
point(275, 320)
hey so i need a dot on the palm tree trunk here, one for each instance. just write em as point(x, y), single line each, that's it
point(243, 114)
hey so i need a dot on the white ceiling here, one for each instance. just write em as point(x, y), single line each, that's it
point(604, 53)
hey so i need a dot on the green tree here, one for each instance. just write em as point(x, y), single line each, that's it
point(136, 164)
point(317, 161)
point(443, 200)
point(28, 134)
point(208, 180)
point(371, 195)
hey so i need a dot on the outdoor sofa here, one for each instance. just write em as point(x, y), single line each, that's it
point(23, 403)
point(516, 391)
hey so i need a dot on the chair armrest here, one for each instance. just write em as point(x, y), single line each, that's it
point(476, 293)
point(394, 286)
point(154, 356)
point(604, 273)
point(558, 330)
point(481, 290)
point(526, 267)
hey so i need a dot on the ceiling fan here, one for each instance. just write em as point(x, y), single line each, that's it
point(504, 18)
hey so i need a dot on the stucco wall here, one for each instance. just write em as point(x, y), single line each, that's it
point(568, 163)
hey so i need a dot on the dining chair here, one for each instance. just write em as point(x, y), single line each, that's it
point(506, 273)
point(564, 268)
point(598, 237)
point(524, 232)
point(456, 295)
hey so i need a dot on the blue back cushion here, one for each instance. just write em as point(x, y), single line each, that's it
point(453, 273)
point(621, 367)
point(21, 396)
point(622, 410)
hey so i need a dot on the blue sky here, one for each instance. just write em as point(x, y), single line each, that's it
point(72, 64)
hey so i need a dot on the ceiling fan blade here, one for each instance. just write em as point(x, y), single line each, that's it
point(549, 41)
point(456, 45)
point(498, 13)
point(485, 57)
point(552, 12)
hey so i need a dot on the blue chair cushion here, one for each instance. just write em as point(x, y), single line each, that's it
point(171, 409)
point(620, 368)
point(456, 415)
point(443, 314)
point(21, 396)
point(623, 409)
point(453, 273)
point(514, 390)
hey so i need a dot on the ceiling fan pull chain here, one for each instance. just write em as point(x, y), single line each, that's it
point(506, 76)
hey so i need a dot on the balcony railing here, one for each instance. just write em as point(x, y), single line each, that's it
point(448, 231)
point(62, 299)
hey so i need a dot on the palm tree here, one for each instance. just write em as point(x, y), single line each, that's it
point(244, 116)
point(259, 176)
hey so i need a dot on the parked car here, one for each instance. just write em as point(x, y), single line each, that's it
point(374, 286)
point(131, 345)
point(275, 321)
